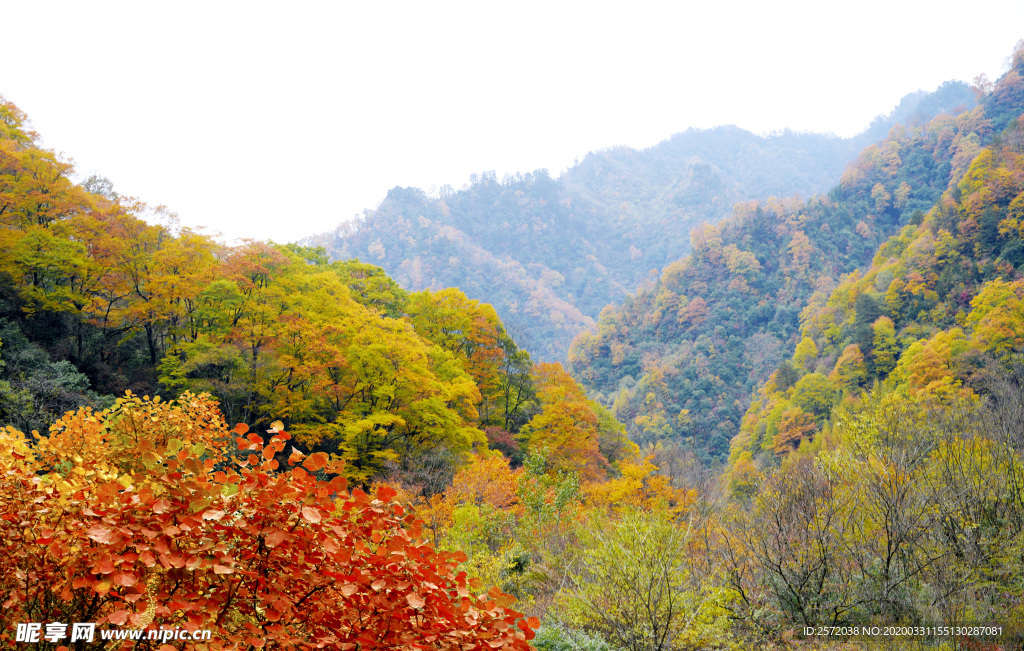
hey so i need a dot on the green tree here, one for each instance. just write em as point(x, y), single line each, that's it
point(815, 394)
point(885, 348)
point(633, 582)
point(850, 371)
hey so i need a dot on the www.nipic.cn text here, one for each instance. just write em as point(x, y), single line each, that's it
point(86, 632)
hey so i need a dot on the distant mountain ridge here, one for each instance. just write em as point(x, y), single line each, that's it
point(550, 254)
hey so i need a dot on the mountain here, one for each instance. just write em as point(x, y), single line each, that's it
point(876, 475)
point(936, 315)
point(550, 253)
point(680, 359)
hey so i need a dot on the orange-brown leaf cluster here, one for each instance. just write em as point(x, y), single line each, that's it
point(156, 514)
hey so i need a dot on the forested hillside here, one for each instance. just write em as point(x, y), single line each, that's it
point(934, 317)
point(886, 449)
point(679, 359)
point(549, 254)
point(96, 301)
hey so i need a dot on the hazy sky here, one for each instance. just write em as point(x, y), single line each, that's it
point(278, 120)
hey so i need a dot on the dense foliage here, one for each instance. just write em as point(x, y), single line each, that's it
point(137, 512)
point(153, 514)
point(96, 300)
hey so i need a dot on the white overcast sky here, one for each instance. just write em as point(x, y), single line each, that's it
point(279, 120)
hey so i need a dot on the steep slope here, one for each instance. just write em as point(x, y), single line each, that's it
point(680, 359)
point(934, 317)
point(550, 253)
point(898, 422)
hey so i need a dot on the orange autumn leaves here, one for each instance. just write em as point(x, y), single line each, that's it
point(567, 425)
point(155, 507)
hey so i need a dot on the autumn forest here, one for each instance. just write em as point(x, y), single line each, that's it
point(730, 392)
